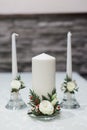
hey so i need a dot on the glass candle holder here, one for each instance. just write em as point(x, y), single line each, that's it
point(69, 101)
point(15, 102)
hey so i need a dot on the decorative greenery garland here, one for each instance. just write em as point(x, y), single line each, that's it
point(44, 106)
point(69, 85)
point(17, 84)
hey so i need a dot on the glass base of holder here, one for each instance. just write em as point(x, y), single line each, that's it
point(15, 102)
point(44, 117)
point(69, 101)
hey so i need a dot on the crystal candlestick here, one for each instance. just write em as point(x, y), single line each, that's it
point(69, 101)
point(15, 102)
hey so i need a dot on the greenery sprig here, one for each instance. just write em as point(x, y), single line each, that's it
point(35, 102)
point(69, 85)
point(22, 83)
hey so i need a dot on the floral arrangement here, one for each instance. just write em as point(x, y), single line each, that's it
point(69, 85)
point(45, 106)
point(17, 84)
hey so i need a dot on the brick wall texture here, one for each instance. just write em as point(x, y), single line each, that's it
point(44, 33)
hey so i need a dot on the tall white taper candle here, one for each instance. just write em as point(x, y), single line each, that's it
point(43, 74)
point(69, 56)
point(14, 56)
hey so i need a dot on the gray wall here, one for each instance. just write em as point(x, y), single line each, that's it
point(44, 33)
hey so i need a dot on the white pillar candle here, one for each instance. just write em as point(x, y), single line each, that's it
point(43, 74)
point(69, 56)
point(14, 56)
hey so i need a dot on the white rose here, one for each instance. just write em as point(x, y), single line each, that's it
point(54, 101)
point(71, 86)
point(15, 84)
point(46, 107)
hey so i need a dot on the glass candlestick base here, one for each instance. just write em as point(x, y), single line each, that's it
point(15, 102)
point(69, 101)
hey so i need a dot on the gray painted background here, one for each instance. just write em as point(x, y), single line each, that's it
point(44, 33)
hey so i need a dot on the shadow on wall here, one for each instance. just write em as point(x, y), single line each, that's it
point(44, 33)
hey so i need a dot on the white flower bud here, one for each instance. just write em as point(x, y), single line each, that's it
point(54, 101)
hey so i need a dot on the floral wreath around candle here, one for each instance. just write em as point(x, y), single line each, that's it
point(69, 85)
point(17, 84)
point(45, 106)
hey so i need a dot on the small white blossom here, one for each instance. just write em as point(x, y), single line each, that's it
point(15, 84)
point(46, 107)
point(54, 96)
point(71, 86)
point(54, 101)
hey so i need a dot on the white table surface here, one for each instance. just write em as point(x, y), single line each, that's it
point(19, 120)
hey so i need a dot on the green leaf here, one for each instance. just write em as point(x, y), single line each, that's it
point(14, 90)
point(68, 79)
point(66, 91)
point(35, 98)
point(72, 92)
point(54, 91)
point(18, 77)
point(31, 104)
point(50, 97)
point(44, 98)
